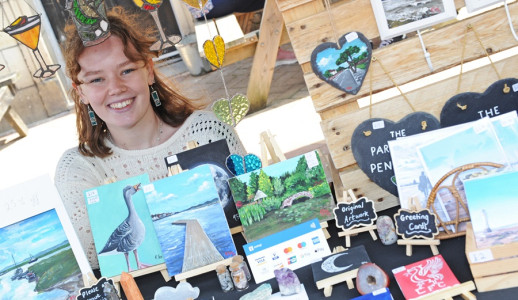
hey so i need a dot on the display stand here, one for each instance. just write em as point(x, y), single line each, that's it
point(464, 290)
point(130, 288)
point(409, 242)
point(269, 145)
point(492, 268)
point(349, 232)
point(347, 277)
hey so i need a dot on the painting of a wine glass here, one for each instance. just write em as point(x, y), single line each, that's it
point(27, 31)
point(164, 41)
point(37, 261)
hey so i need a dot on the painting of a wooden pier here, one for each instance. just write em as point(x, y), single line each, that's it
point(189, 220)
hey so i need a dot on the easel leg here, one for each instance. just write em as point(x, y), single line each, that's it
point(350, 283)
point(373, 235)
point(326, 233)
point(408, 250)
point(347, 241)
point(165, 275)
point(435, 251)
point(468, 296)
point(328, 290)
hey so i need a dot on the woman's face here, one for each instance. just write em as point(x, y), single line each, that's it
point(115, 87)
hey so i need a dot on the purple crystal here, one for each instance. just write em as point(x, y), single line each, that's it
point(288, 281)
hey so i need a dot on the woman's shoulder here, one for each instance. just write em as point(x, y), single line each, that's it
point(71, 160)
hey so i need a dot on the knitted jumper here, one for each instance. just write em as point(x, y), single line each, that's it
point(76, 173)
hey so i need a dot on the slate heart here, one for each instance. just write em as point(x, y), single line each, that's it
point(499, 98)
point(195, 3)
point(344, 68)
point(215, 51)
point(369, 144)
point(238, 165)
point(231, 112)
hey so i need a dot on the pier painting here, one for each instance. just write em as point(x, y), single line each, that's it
point(189, 220)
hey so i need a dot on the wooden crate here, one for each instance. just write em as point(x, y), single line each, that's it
point(500, 272)
point(308, 25)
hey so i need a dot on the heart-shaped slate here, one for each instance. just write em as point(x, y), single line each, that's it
point(345, 67)
point(196, 3)
point(215, 51)
point(231, 112)
point(238, 164)
point(370, 148)
point(499, 98)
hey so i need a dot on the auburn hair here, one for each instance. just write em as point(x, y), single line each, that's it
point(175, 107)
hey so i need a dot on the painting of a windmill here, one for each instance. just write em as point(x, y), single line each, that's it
point(123, 232)
point(189, 220)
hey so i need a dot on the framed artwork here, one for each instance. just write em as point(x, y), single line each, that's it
point(474, 5)
point(397, 17)
point(492, 205)
point(123, 232)
point(282, 195)
point(189, 220)
point(40, 254)
point(214, 155)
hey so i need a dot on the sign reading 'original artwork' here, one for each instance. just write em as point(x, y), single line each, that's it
point(355, 214)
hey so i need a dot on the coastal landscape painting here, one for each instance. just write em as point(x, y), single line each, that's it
point(397, 17)
point(189, 220)
point(282, 195)
point(40, 255)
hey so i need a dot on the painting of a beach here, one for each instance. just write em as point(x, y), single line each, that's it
point(189, 220)
point(36, 260)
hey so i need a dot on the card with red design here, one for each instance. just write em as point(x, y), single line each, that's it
point(424, 277)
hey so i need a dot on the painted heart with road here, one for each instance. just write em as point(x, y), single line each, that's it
point(344, 66)
point(369, 144)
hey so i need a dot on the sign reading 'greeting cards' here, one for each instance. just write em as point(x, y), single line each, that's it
point(355, 214)
point(416, 224)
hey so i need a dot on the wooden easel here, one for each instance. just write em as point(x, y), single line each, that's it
point(347, 277)
point(270, 146)
point(433, 243)
point(464, 290)
point(347, 233)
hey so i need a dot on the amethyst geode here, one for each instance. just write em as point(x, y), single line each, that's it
point(288, 281)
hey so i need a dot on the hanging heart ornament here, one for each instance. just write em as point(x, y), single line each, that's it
point(196, 3)
point(343, 67)
point(233, 111)
point(215, 51)
point(238, 164)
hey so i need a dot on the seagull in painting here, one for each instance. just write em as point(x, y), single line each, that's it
point(130, 233)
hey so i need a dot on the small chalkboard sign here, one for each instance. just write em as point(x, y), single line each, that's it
point(358, 213)
point(104, 289)
point(499, 98)
point(416, 224)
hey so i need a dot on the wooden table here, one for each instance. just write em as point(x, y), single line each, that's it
point(7, 92)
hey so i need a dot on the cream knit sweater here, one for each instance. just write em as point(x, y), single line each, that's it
point(76, 173)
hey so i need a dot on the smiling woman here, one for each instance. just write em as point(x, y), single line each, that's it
point(129, 118)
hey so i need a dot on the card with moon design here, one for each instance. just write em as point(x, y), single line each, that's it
point(215, 155)
point(339, 263)
point(123, 232)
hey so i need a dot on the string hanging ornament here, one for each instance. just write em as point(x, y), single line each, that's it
point(230, 110)
point(26, 30)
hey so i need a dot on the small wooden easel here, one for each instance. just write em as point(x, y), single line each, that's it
point(409, 242)
point(349, 232)
point(347, 277)
point(464, 290)
point(269, 146)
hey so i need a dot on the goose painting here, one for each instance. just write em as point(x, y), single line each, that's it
point(121, 225)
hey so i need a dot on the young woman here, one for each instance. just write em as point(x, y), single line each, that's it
point(128, 118)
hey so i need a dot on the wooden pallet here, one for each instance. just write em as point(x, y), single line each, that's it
point(308, 25)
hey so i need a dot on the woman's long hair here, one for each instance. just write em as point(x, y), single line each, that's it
point(175, 107)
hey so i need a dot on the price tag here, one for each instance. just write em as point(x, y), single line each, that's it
point(481, 256)
point(311, 159)
point(92, 196)
point(378, 124)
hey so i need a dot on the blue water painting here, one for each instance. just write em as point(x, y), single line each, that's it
point(183, 201)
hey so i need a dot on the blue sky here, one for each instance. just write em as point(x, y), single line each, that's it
point(326, 59)
point(30, 236)
point(181, 191)
point(497, 195)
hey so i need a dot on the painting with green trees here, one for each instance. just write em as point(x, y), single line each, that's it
point(282, 195)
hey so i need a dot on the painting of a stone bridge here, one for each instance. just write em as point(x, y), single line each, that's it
point(282, 195)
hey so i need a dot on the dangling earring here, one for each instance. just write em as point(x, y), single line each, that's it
point(155, 97)
point(91, 114)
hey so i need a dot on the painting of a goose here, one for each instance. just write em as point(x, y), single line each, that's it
point(128, 236)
